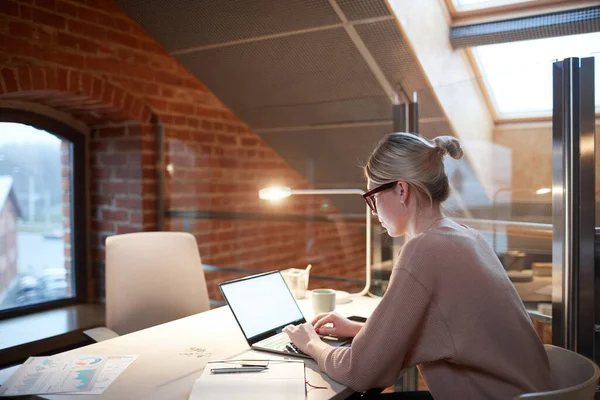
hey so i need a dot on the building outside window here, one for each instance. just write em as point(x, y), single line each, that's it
point(35, 217)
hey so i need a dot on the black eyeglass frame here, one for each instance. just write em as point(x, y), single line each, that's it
point(369, 196)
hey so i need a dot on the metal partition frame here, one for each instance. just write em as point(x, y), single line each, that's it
point(573, 205)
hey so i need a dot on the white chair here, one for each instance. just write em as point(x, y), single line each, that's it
point(151, 278)
point(574, 376)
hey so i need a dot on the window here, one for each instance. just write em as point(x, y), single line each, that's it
point(42, 209)
point(518, 75)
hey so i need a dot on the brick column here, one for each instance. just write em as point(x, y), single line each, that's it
point(122, 187)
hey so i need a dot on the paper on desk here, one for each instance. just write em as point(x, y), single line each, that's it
point(115, 365)
point(56, 374)
point(284, 379)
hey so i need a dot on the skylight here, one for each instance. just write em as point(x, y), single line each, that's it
point(518, 75)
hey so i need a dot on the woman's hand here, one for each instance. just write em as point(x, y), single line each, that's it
point(342, 326)
point(302, 335)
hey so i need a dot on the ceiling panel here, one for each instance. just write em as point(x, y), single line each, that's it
point(315, 67)
point(356, 10)
point(183, 24)
point(392, 53)
point(365, 109)
point(398, 63)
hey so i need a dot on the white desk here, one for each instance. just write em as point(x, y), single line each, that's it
point(161, 372)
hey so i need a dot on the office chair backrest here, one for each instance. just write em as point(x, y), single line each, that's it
point(574, 376)
point(152, 278)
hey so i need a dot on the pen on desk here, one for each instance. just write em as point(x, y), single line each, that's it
point(236, 370)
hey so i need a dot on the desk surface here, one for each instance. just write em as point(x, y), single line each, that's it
point(162, 372)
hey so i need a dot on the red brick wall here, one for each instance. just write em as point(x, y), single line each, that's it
point(87, 58)
point(270, 245)
point(123, 182)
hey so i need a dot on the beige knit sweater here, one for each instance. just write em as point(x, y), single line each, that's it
point(451, 309)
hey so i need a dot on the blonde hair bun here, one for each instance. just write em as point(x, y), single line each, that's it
point(449, 145)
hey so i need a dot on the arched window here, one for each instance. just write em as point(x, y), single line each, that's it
point(43, 213)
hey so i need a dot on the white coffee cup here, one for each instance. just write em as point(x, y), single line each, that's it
point(323, 300)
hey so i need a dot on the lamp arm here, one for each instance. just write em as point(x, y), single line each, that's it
point(327, 191)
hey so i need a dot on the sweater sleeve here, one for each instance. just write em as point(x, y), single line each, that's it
point(405, 329)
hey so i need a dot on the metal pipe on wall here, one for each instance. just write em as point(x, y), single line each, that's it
point(405, 116)
point(159, 137)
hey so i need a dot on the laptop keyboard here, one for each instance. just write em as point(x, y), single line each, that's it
point(281, 342)
point(277, 342)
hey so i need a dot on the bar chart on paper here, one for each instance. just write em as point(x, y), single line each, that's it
point(115, 366)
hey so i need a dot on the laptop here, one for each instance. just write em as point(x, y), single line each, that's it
point(262, 306)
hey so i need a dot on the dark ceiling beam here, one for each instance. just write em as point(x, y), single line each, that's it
point(571, 22)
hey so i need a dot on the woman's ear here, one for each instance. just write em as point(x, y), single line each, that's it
point(403, 191)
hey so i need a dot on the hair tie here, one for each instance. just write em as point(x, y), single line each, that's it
point(441, 151)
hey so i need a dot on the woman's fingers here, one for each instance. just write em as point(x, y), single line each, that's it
point(288, 329)
point(326, 331)
point(318, 317)
point(328, 318)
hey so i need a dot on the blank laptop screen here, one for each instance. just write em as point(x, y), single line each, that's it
point(261, 304)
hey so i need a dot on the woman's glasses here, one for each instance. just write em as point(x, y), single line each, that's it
point(370, 195)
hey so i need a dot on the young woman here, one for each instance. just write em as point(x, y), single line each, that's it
point(449, 307)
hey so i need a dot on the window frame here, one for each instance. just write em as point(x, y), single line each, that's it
point(79, 206)
point(499, 12)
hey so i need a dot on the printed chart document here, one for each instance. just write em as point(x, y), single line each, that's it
point(56, 374)
point(283, 379)
point(114, 366)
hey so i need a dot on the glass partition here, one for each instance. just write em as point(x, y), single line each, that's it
point(501, 188)
point(213, 193)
